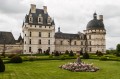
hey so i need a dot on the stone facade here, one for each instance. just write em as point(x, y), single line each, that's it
point(39, 34)
point(9, 45)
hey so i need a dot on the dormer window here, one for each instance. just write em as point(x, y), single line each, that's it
point(40, 19)
point(49, 20)
point(30, 19)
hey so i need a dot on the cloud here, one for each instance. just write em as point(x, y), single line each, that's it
point(14, 6)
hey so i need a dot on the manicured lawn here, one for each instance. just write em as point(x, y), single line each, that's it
point(49, 69)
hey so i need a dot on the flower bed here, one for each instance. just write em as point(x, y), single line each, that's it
point(79, 67)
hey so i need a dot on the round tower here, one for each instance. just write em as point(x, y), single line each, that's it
point(95, 33)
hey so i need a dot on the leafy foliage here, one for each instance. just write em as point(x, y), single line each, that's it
point(47, 52)
point(85, 55)
point(99, 53)
point(2, 66)
point(71, 53)
point(56, 53)
point(11, 55)
point(16, 59)
point(103, 58)
point(67, 52)
point(118, 50)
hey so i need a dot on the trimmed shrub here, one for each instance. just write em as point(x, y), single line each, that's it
point(47, 52)
point(99, 53)
point(62, 57)
point(16, 59)
point(67, 52)
point(31, 58)
point(81, 52)
point(117, 54)
point(103, 58)
point(2, 66)
point(85, 55)
point(71, 53)
point(50, 56)
point(56, 53)
point(11, 55)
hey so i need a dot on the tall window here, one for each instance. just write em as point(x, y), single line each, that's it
point(30, 34)
point(61, 42)
point(89, 36)
point(74, 42)
point(90, 49)
point(40, 19)
point(30, 41)
point(29, 49)
point(39, 34)
point(81, 43)
point(48, 34)
point(49, 42)
point(48, 48)
point(40, 26)
point(49, 20)
point(39, 41)
point(89, 42)
point(30, 19)
point(25, 42)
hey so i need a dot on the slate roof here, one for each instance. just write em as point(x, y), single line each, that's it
point(20, 39)
point(95, 24)
point(35, 17)
point(60, 35)
point(7, 38)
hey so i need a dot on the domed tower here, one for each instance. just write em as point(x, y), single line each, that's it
point(95, 33)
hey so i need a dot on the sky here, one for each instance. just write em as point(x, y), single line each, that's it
point(71, 16)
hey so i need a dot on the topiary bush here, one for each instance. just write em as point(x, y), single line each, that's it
point(99, 53)
point(85, 55)
point(62, 57)
point(103, 58)
point(117, 54)
point(71, 53)
point(11, 55)
point(2, 66)
point(81, 52)
point(67, 52)
point(16, 59)
point(56, 53)
point(32, 58)
point(47, 52)
point(50, 56)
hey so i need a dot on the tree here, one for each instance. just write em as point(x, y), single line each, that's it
point(66, 52)
point(118, 50)
point(2, 66)
point(71, 53)
point(85, 55)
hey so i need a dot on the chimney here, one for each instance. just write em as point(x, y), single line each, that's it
point(101, 17)
point(45, 9)
point(33, 8)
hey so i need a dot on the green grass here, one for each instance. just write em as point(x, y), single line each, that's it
point(49, 69)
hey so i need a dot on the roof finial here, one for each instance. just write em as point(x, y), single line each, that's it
point(95, 15)
point(58, 29)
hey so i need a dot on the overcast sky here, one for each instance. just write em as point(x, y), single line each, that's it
point(71, 15)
